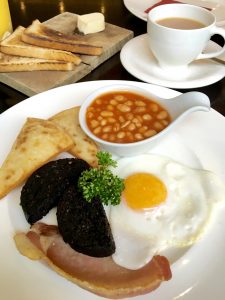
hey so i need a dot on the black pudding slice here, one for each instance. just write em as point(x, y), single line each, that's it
point(83, 225)
point(46, 186)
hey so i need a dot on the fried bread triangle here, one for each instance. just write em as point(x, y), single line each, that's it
point(38, 141)
point(83, 146)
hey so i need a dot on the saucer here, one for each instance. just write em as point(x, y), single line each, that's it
point(217, 7)
point(138, 60)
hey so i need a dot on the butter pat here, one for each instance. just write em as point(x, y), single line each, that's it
point(91, 23)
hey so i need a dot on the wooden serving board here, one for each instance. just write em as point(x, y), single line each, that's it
point(29, 83)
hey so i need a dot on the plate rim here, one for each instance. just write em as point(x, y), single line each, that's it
point(61, 91)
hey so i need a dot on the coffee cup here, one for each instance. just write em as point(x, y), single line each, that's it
point(178, 34)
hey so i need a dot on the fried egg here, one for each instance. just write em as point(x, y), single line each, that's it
point(164, 204)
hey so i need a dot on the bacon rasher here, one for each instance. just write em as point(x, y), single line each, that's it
point(101, 276)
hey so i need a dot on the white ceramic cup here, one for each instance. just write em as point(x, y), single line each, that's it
point(175, 49)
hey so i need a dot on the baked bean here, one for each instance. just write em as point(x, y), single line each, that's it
point(94, 123)
point(143, 129)
point(129, 103)
point(106, 113)
point(121, 135)
point(123, 108)
point(119, 97)
point(137, 122)
point(113, 102)
point(121, 119)
point(165, 122)
point(140, 103)
point(158, 125)
point(103, 122)
point(107, 128)
point(97, 130)
point(147, 117)
point(99, 101)
point(132, 127)
point(139, 109)
point(124, 117)
point(154, 107)
point(162, 115)
point(90, 115)
point(111, 120)
point(138, 136)
point(150, 133)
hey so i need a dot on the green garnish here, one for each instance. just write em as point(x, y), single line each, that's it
point(100, 182)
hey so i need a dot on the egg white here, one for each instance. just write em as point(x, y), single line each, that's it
point(178, 222)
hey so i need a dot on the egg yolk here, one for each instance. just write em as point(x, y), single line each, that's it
point(143, 191)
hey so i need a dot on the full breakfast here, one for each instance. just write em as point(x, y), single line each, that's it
point(39, 47)
point(115, 217)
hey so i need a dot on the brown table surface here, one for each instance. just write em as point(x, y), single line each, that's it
point(23, 12)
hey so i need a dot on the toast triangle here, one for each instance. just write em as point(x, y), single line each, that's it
point(41, 35)
point(14, 45)
point(12, 63)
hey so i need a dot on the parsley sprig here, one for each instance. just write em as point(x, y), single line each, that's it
point(100, 182)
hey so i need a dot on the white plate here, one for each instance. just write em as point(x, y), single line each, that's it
point(138, 60)
point(138, 8)
point(198, 274)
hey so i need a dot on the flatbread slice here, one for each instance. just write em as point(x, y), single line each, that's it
point(38, 141)
point(83, 146)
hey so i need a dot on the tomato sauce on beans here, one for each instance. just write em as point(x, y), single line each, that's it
point(125, 117)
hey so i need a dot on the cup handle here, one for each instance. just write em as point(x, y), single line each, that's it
point(221, 32)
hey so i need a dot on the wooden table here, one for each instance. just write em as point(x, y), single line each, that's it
point(23, 12)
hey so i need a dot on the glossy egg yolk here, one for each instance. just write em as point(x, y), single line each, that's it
point(144, 191)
